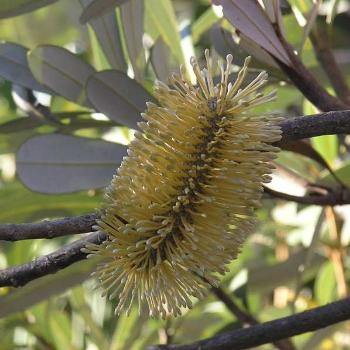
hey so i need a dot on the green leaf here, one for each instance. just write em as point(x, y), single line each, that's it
point(124, 330)
point(22, 205)
point(315, 341)
point(79, 304)
point(132, 17)
point(161, 15)
point(326, 145)
point(343, 173)
point(108, 37)
point(45, 287)
point(19, 124)
point(326, 284)
point(61, 330)
point(11, 8)
point(267, 277)
point(203, 23)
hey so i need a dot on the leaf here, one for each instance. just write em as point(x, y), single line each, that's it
point(269, 9)
point(332, 11)
point(265, 278)
point(98, 8)
point(163, 62)
point(311, 18)
point(45, 287)
point(132, 14)
point(14, 66)
point(19, 124)
point(124, 331)
point(22, 205)
point(122, 99)
point(109, 37)
point(61, 163)
point(203, 23)
point(304, 148)
point(287, 181)
point(223, 43)
point(310, 251)
point(11, 8)
point(248, 17)
point(342, 173)
point(162, 16)
point(61, 330)
point(327, 145)
point(326, 284)
point(77, 300)
point(257, 51)
point(317, 337)
point(61, 70)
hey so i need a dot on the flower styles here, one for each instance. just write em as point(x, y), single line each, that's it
point(182, 201)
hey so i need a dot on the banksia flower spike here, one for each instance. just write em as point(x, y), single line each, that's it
point(182, 201)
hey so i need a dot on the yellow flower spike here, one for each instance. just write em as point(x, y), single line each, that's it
point(183, 199)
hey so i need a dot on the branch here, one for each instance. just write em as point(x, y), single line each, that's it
point(330, 123)
point(334, 196)
point(268, 332)
point(48, 228)
point(17, 276)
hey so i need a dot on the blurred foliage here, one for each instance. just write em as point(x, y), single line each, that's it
point(289, 264)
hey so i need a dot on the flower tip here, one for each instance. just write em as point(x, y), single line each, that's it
point(193, 61)
point(247, 60)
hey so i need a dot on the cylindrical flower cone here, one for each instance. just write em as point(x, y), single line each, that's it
point(182, 201)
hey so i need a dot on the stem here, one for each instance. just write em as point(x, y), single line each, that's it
point(48, 228)
point(321, 43)
point(330, 123)
point(18, 276)
point(306, 82)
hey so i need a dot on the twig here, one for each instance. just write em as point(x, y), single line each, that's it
point(48, 228)
point(330, 123)
point(321, 43)
point(335, 196)
point(267, 332)
point(242, 316)
point(17, 276)
point(306, 82)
